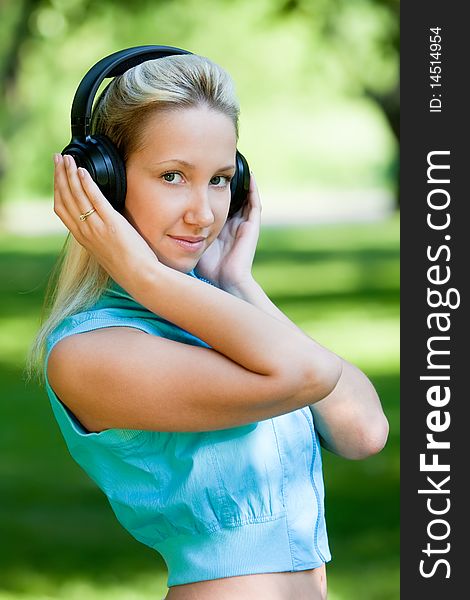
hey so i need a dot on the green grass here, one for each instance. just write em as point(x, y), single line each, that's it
point(60, 538)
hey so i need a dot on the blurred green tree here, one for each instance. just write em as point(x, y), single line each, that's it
point(362, 38)
point(26, 21)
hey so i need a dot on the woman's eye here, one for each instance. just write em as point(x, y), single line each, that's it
point(171, 177)
point(220, 180)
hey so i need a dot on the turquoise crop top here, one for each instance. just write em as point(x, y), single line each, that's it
point(214, 504)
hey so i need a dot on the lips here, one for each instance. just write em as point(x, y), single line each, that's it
point(189, 243)
point(188, 238)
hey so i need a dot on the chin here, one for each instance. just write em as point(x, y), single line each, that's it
point(185, 266)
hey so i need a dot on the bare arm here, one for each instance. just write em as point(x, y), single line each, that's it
point(350, 420)
point(159, 384)
point(120, 377)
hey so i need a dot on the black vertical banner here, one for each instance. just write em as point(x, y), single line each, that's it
point(435, 240)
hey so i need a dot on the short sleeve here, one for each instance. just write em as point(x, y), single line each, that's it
point(73, 431)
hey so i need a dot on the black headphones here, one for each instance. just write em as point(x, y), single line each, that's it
point(97, 153)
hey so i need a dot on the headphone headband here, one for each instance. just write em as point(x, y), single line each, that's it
point(110, 66)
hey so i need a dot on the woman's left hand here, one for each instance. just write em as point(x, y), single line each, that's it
point(229, 259)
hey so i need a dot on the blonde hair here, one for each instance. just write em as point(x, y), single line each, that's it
point(121, 112)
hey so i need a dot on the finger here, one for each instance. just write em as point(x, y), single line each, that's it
point(63, 202)
point(251, 200)
point(254, 193)
point(81, 202)
point(103, 207)
point(254, 215)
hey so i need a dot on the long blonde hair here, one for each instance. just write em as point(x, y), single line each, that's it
point(171, 83)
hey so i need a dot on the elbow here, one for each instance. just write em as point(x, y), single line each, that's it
point(321, 377)
point(371, 440)
point(307, 384)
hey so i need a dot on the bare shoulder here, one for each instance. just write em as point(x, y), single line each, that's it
point(122, 377)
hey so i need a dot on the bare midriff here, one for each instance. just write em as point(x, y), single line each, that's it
point(297, 585)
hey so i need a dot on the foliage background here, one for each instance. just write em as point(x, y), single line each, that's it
point(317, 77)
point(318, 86)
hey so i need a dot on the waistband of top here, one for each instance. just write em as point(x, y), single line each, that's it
point(248, 549)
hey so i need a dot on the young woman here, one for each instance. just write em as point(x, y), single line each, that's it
point(195, 404)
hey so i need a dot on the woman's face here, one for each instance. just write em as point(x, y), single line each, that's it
point(178, 183)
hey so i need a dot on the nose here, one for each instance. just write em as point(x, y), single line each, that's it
point(199, 210)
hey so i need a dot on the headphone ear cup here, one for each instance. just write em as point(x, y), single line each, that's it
point(239, 185)
point(100, 157)
point(115, 169)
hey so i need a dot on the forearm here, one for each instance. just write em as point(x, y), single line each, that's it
point(253, 293)
point(350, 420)
point(238, 329)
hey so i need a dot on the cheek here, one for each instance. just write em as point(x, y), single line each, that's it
point(133, 204)
point(220, 218)
point(152, 221)
point(142, 207)
point(221, 209)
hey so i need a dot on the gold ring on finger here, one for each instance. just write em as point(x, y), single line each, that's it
point(87, 214)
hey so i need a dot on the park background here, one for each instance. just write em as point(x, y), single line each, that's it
point(318, 87)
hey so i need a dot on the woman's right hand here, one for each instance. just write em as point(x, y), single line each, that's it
point(106, 234)
point(228, 261)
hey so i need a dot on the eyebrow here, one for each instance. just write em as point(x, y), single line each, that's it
point(189, 165)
